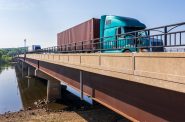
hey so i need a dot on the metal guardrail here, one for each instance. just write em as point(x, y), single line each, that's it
point(158, 39)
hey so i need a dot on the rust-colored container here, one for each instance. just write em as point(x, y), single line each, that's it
point(82, 34)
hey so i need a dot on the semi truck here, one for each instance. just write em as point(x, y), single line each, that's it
point(108, 34)
point(34, 48)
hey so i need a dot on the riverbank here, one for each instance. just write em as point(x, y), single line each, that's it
point(100, 114)
point(69, 109)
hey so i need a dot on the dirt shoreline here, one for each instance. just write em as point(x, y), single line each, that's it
point(68, 109)
point(42, 115)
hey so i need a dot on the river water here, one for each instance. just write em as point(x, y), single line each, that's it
point(10, 98)
point(17, 92)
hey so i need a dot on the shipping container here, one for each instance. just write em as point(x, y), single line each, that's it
point(82, 34)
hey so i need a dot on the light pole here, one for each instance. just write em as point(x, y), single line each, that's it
point(25, 49)
point(25, 44)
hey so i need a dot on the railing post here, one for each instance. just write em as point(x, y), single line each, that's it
point(82, 46)
point(116, 45)
point(66, 47)
point(75, 46)
point(165, 35)
point(100, 41)
point(93, 45)
point(24, 56)
point(150, 43)
point(38, 64)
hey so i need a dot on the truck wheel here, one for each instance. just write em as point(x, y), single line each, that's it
point(127, 51)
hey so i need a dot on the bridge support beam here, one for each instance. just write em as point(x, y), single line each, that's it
point(81, 85)
point(53, 91)
point(28, 71)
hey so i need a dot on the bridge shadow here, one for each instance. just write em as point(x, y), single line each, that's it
point(91, 113)
point(36, 90)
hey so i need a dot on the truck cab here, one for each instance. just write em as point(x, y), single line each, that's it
point(116, 32)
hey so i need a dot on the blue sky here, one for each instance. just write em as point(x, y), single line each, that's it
point(39, 21)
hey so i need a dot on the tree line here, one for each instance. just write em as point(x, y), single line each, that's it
point(6, 53)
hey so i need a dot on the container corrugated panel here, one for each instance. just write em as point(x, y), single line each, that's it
point(84, 32)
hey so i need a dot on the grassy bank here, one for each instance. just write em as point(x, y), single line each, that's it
point(5, 60)
point(7, 54)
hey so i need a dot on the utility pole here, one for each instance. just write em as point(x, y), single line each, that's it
point(25, 45)
point(25, 50)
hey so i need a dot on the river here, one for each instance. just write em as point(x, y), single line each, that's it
point(17, 92)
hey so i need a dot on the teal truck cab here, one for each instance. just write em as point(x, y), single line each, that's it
point(116, 32)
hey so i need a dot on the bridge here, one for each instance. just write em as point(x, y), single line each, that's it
point(140, 86)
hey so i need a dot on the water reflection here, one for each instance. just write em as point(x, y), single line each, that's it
point(17, 92)
point(31, 89)
point(9, 91)
point(4, 66)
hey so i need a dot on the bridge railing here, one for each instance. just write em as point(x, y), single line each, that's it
point(165, 38)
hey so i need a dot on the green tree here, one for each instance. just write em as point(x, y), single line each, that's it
point(1, 54)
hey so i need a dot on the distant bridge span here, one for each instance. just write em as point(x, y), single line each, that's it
point(139, 86)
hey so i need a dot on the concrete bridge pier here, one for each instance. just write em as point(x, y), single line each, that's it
point(35, 72)
point(54, 88)
point(53, 91)
point(30, 71)
point(26, 69)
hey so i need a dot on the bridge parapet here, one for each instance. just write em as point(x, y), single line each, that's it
point(164, 70)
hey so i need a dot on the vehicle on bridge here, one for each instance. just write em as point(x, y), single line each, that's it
point(34, 48)
point(108, 34)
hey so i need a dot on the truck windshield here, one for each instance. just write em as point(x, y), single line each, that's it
point(139, 34)
point(130, 29)
point(142, 34)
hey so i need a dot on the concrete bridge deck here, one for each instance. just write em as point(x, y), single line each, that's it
point(164, 70)
point(139, 86)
